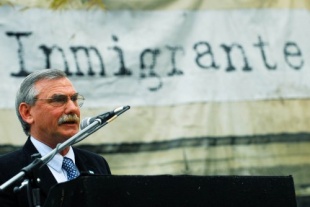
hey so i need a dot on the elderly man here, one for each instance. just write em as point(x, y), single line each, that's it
point(48, 108)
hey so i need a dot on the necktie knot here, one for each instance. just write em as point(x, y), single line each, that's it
point(71, 169)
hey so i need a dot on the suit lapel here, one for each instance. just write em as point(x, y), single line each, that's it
point(46, 177)
point(82, 164)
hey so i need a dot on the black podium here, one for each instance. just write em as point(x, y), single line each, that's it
point(169, 190)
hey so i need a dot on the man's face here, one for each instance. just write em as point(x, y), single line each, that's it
point(45, 124)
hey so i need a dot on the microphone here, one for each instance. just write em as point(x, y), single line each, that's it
point(105, 117)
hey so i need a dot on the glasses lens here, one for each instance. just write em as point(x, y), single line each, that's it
point(79, 99)
point(58, 100)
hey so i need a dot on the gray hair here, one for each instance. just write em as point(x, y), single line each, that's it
point(27, 91)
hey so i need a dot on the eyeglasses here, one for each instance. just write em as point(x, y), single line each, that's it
point(58, 100)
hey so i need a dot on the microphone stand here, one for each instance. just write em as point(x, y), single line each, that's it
point(30, 173)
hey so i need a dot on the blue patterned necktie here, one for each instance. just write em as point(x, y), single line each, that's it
point(70, 168)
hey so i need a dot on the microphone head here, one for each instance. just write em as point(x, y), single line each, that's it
point(85, 122)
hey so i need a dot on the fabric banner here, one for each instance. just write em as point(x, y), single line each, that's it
point(237, 55)
point(215, 87)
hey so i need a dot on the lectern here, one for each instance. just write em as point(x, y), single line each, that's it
point(174, 190)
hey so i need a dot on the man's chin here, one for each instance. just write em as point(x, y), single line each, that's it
point(69, 133)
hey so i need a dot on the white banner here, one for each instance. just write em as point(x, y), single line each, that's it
point(160, 57)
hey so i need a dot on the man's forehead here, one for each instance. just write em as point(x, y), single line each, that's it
point(54, 86)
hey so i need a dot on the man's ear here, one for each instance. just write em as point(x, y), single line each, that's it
point(25, 112)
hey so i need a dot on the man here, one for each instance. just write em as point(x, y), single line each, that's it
point(48, 108)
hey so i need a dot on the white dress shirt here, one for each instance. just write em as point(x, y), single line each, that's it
point(55, 165)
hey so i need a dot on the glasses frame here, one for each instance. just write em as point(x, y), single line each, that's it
point(53, 100)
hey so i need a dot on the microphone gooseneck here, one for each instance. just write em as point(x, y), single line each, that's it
point(104, 117)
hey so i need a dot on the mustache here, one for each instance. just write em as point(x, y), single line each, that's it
point(69, 118)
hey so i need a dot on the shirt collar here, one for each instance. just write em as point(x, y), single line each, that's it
point(56, 162)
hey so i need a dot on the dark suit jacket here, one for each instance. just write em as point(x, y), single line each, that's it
point(12, 163)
